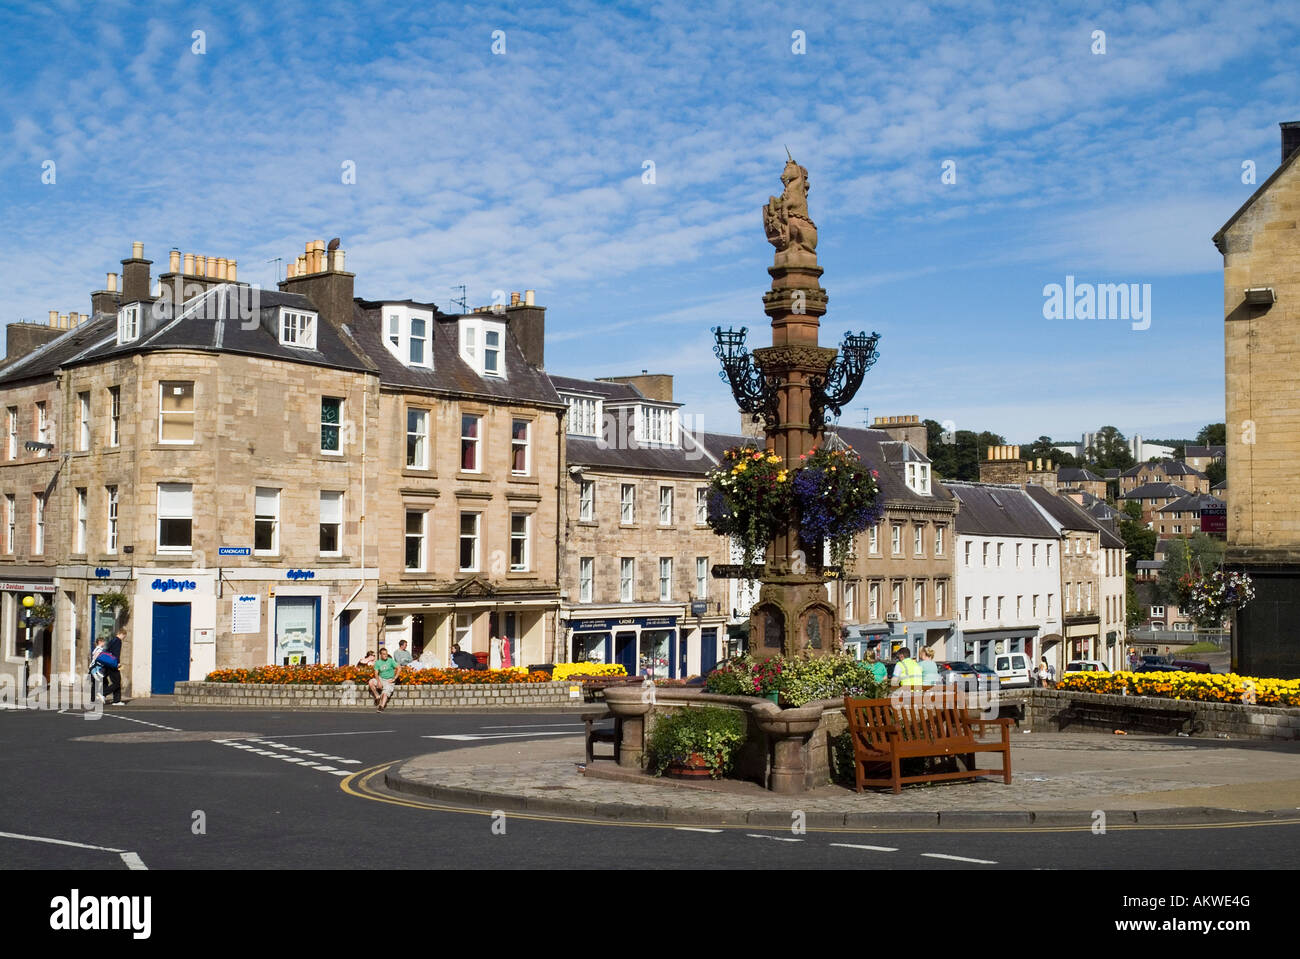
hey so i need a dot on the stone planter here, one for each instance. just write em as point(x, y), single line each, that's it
point(788, 732)
point(695, 767)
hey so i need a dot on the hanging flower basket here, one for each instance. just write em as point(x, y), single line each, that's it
point(1208, 599)
point(837, 497)
point(749, 500)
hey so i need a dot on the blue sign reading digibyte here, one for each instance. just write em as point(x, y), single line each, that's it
point(233, 551)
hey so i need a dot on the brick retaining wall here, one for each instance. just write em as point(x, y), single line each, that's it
point(468, 696)
point(1043, 707)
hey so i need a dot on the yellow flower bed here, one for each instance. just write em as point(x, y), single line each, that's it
point(565, 670)
point(1203, 687)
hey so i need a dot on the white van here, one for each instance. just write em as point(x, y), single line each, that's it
point(1013, 669)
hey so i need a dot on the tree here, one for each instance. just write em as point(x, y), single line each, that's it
point(1217, 471)
point(1198, 555)
point(1139, 542)
point(1213, 434)
point(959, 459)
point(1109, 450)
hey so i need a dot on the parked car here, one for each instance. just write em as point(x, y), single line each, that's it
point(1086, 666)
point(988, 677)
point(1156, 668)
point(954, 672)
point(1013, 670)
point(1191, 666)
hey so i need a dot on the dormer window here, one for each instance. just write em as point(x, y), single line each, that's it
point(298, 328)
point(408, 334)
point(128, 324)
point(481, 344)
point(918, 478)
point(656, 424)
point(584, 415)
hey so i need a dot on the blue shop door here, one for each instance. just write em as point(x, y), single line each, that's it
point(171, 647)
point(682, 643)
point(708, 651)
point(345, 637)
point(625, 651)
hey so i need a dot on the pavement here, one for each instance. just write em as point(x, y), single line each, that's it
point(1057, 780)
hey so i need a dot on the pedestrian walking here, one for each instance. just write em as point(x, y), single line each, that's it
point(100, 652)
point(113, 673)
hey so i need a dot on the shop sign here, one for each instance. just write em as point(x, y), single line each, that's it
point(699, 607)
point(246, 614)
point(27, 587)
point(166, 585)
point(234, 551)
point(102, 572)
point(297, 574)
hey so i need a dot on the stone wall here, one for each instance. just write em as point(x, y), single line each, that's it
point(1094, 712)
point(514, 696)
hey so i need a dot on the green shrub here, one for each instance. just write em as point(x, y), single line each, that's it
point(806, 680)
point(733, 678)
point(711, 732)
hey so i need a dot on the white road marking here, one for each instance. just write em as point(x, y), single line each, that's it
point(295, 760)
point(694, 829)
point(851, 845)
point(939, 855)
point(362, 732)
point(305, 752)
point(759, 835)
point(130, 719)
point(131, 859)
point(532, 725)
point(471, 737)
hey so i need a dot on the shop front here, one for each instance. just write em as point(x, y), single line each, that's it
point(29, 651)
point(980, 646)
point(1082, 638)
point(646, 645)
point(171, 628)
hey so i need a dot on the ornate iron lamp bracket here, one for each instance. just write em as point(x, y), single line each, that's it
point(754, 391)
point(843, 378)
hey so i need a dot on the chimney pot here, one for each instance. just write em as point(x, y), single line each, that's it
point(174, 261)
point(1290, 138)
point(111, 282)
point(232, 270)
point(221, 267)
point(189, 264)
point(514, 299)
point(200, 264)
point(291, 270)
point(54, 317)
point(528, 297)
point(63, 321)
point(137, 251)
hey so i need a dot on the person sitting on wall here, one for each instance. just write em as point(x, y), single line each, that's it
point(461, 659)
point(403, 655)
point(384, 681)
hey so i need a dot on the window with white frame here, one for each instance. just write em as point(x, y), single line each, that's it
point(42, 425)
point(701, 577)
point(967, 551)
point(897, 598)
point(998, 564)
point(938, 541)
point(417, 439)
point(471, 438)
point(873, 602)
point(1020, 606)
point(918, 599)
point(1157, 610)
point(128, 324)
point(873, 539)
point(520, 447)
point(1049, 605)
point(1033, 555)
point(464, 631)
point(395, 332)
point(1069, 587)
point(850, 601)
point(519, 523)
point(665, 506)
point(986, 554)
point(418, 344)
point(897, 539)
point(11, 521)
point(586, 500)
point(626, 579)
point(1020, 555)
point(1088, 596)
point(939, 590)
point(83, 417)
point(297, 328)
point(331, 425)
point(492, 337)
point(1001, 600)
point(701, 506)
point(331, 522)
point(985, 608)
point(918, 539)
point(110, 543)
point(175, 517)
point(416, 520)
point(408, 335)
point(584, 415)
point(656, 424)
point(266, 521)
point(38, 523)
point(470, 524)
point(966, 608)
point(627, 503)
point(82, 517)
point(665, 579)
point(13, 432)
point(1033, 606)
point(586, 578)
point(918, 478)
point(1048, 547)
point(176, 412)
point(481, 345)
point(114, 415)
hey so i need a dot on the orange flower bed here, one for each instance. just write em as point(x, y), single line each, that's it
point(329, 675)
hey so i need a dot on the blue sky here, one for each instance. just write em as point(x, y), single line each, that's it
point(524, 170)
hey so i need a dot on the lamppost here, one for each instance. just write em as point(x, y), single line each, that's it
point(792, 385)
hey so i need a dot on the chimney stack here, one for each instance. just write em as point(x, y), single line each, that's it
point(322, 280)
point(135, 275)
point(1290, 138)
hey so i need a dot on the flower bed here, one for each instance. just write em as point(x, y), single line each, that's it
point(584, 670)
point(1202, 687)
point(326, 675)
point(796, 681)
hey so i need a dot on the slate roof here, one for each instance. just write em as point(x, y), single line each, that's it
point(1151, 564)
point(881, 452)
point(610, 392)
point(692, 458)
point(198, 325)
point(450, 374)
point(990, 509)
point(1110, 473)
point(1216, 452)
point(1193, 503)
point(1074, 474)
point(1221, 485)
point(1166, 467)
point(1155, 491)
point(1071, 515)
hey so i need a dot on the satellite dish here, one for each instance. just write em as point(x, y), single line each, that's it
point(334, 244)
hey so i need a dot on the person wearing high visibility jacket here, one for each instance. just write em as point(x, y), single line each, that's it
point(907, 671)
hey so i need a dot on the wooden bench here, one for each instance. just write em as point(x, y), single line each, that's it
point(885, 733)
point(613, 736)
